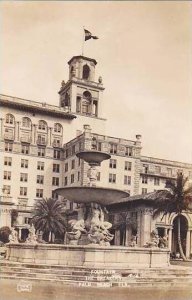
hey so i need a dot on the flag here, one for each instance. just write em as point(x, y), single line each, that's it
point(88, 35)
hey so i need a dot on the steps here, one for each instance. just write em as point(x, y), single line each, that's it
point(80, 276)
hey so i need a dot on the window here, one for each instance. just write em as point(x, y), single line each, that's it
point(41, 139)
point(9, 119)
point(24, 163)
point(41, 151)
point(144, 179)
point(128, 165)
point(7, 189)
point(55, 181)
point(169, 172)
point(128, 151)
point(78, 177)
point(26, 122)
point(157, 169)
point(57, 128)
point(8, 147)
point(86, 71)
point(113, 163)
point(98, 176)
point(24, 177)
point(56, 168)
point(156, 181)
point(113, 148)
point(79, 161)
point(72, 178)
point(7, 161)
point(144, 191)
point(7, 175)
point(40, 165)
point(78, 104)
point(55, 195)
point(23, 191)
point(73, 150)
point(25, 149)
point(65, 180)
point(57, 142)
point(66, 167)
point(42, 125)
point(57, 154)
point(39, 193)
point(73, 164)
point(40, 179)
point(127, 180)
point(145, 168)
point(112, 178)
point(99, 146)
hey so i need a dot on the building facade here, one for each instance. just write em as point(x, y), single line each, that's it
point(39, 142)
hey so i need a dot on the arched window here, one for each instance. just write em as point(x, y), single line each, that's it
point(26, 122)
point(86, 72)
point(42, 125)
point(9, 119)
point(58, 128)
point(86, 104)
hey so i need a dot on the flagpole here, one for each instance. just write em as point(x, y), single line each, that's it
point(83, 42)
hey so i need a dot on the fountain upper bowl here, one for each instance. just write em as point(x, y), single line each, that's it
point(93, 156)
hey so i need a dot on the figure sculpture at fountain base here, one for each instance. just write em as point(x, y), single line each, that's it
point(78, 227)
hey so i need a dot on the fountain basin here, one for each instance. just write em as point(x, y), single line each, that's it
point(93, 157)
point(103, 196)
point(88, 256)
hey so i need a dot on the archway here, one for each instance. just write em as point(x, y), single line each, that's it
point(184, 228)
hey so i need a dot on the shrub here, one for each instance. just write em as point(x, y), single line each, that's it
point(4, 234)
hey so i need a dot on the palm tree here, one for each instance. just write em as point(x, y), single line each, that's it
point(176, 199)
point(49, 216)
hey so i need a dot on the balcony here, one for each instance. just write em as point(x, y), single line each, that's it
point(25, 139)
point(155, 174)
point(42, 142)
point(9, 136)
point(57, 144)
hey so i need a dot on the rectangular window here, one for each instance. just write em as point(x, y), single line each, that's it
point(127, 180)
point(66, 167)
point(113, 148)
point(145, 168)
point(112, 178)
point(57, 154)
point(72, 178)
point(98, 176)
point(41, 139)
point(55, 181)
point(24, 163)
point(40, 179)
point(7, 161)
point(8, 147)
point(128, 151)
point(24, 177)
point(56, 168)
point(73, 164)
point(156, 181)
point(113, 163)
point(157, 169)
point(144, 179)
point(57, 142)
point(73, 150)
point(41, 151)
point(23, 191)
point(144, 191)
point(99, 146)
point(65, 181)
point(40, 165)
point(128, 165)
point(79, 161)
point(25, 149)
point(7, 175)
point(79, 174)
point(55, 195)
point(39, 193)
point(7, 189)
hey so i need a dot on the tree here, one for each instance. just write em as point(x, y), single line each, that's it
point(176, 199)
point(49, 216)
point(4, 234)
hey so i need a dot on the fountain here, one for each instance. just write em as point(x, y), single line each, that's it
point(89, 238)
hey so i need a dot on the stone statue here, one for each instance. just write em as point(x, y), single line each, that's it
point(163, 242)
point(13, 237)
point(100, 79)
point(99, 233)
point(62, 83)
point(154, 240)
point(133, 241)
point(32, 237)
point(78, 227)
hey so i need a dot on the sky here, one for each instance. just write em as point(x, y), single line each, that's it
point(144, 55)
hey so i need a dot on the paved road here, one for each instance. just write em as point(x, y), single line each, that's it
point(56, 291)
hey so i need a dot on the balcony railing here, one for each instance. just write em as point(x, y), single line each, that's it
point(25, 139)
point(57, 144)
point(41, 142)
point(9, 136)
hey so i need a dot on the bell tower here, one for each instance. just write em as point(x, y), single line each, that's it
point(81, 94)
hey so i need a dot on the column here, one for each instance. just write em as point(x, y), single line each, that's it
point(17, 131)
point(170, 239)
point(1, 128)
point(188, 244)
point(146, 227)
point(117, 238)
point(191, 244)
point(49, 139)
